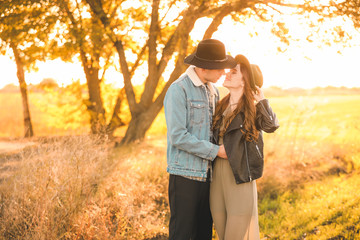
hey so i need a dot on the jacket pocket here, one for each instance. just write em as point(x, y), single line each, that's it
point(255, 155)
point(197, 111)
point(258, 150)
point(188, 162)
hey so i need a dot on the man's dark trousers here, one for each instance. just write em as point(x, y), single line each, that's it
point(190, 209)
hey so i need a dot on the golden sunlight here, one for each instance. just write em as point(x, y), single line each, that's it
point(305, 64)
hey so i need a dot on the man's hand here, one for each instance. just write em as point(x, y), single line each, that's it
point(221, 153)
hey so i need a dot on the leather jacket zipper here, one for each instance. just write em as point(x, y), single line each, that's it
point(247, 161)
point(258, 150)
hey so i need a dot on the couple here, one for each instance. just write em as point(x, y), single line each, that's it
point(215, 148)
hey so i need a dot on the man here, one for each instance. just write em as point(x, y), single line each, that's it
point(189, 105)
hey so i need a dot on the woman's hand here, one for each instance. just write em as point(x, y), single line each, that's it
point(222, 152)
point(258, 95)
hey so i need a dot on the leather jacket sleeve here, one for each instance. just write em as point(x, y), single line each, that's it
point(266, 119)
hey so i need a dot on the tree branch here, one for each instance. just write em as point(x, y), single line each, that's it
point(186, 25)
point(151, 81)
point(179, 66)
point(280, 3)
point(96, 7)
point(106, 66)
point(184, 28)
point(217, 21)
point(137, 62)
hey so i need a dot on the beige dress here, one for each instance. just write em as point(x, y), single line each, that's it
point(233, 206)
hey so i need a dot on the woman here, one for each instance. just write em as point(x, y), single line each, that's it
point(240, 117)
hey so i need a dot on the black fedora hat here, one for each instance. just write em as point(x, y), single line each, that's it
point(210, 54)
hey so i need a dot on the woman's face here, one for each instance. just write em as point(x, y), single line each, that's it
point(234, 78)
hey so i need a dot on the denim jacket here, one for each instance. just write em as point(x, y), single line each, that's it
point(188, 126)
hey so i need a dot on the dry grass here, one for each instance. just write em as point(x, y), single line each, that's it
point(76, 188)
point(51, 183)
point(132, 202)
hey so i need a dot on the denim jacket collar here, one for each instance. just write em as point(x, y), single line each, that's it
point(196, 80)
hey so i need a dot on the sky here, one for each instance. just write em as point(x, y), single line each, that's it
point(304, 64)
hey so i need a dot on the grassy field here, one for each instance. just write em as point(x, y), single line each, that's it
point(51, 115)
point(81, 187)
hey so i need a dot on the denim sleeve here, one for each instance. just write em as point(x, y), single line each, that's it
point(176, 116)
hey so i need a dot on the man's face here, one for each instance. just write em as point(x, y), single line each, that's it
point(212, 75)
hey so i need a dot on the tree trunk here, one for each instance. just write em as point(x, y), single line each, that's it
point(95, 104)
point(139, 124)
point(28, 129)
point(116, 121)
point(91, 69)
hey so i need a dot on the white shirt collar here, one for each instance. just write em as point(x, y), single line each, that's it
point(196, 80)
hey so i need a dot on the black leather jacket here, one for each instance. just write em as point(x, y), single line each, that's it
point(247, 158)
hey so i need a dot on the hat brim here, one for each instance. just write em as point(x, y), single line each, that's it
point(228, 62)
point(242, 60)
point(257, 75)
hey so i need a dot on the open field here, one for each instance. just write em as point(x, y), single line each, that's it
point(50, 115)
point(78, 187)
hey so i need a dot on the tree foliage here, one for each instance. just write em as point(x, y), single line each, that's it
point(27, 25)
point(146, 40)
point(349, 8)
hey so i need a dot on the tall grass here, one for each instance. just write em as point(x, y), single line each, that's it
point(51, 184)
point(75, 188)
point(132, 203)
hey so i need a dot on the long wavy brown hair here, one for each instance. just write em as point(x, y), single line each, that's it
point(246, 105)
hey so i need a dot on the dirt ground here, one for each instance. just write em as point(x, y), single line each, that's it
point(9, 161)
point(14, 146)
